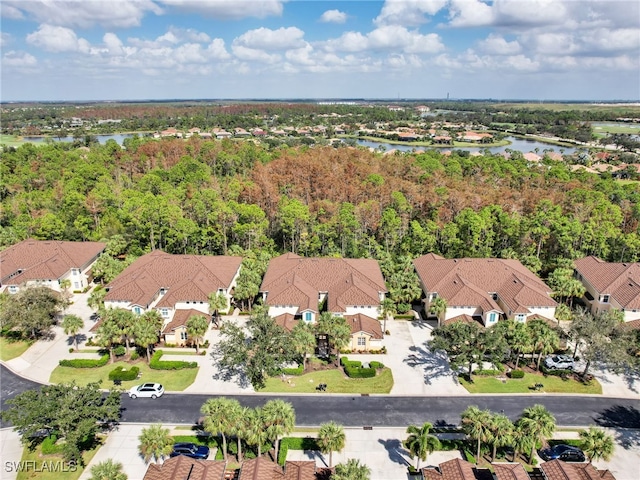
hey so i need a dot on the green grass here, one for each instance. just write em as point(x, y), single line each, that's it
point(175, 380)
point(336, 380)
point(522, 385)
point(435, 145)
point(36, 470)
point(11, 140)
point(604, 130)
point(12, 348)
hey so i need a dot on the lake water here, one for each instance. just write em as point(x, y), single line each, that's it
point(516, 144)
point(118, 137)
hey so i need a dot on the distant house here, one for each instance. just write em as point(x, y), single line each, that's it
point(48, 263)
point(475, 137)
point(177, 286)
point(181, 468)
point(532, 157)
point(221, 134)
point(610, 285)
point(298, 285)
point(264, 469)
point(484, 289)
point(241, 132)
point(169, 132)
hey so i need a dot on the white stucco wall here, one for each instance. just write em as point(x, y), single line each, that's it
point(274, 311)
point(455, 311)
point(372, 311)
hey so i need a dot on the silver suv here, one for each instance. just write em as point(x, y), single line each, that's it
point(559, 362)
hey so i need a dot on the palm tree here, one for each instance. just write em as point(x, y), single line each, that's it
point(217, 302)
point(331, 437)
point(538, 424)
point(420, 442)
point(108, 335)
point(545, 339)
point(337, 330)
point(217, 418)
point(146, 334)
point(197, 326)
point(72, 325)
point(125, 319)
point(237, 415)
point(388, 310)
point(256, 433)
point(501, 432)
point(107, 470)
point(521, 341)
point(303, 340)
point(521, 442)
point(96, 298)
point(155, 442)
point(437, 307)
point(596, 443)
point(475, 423)
point(352, 470)
point(279, 418)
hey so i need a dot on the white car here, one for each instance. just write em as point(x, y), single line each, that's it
point(153, 390)
point(559, 362)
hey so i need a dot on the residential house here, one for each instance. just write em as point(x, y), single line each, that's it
point(264, 469)
point(181, 467)
point(532, 157)
point(177, 286)
point(221, 133)
point(559, 470)
point(456, 469)
point(48, 263)
point(610, 285)
point(475, 137)
point(484, 289)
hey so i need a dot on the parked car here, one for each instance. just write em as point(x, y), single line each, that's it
point(152, 390)
point(191, 450)
point(563, 452)
point(559, 362)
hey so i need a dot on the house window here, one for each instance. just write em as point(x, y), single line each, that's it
point(362, 341)
point(13, 289)
point(183, 335)
point(521, 317)
point(76, 285)
point(492, 318)
point(137, 310)
point(164, 312)
point(307, 316)
point(605, 299)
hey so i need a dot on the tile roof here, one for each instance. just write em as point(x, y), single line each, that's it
point(260, 469)
point(185, 468)
point(300, 470)
point(510, 471)
point(294, 280)
point(456, 469)
point(180, 318)
point(185, 278)
point(464, 318)
point(364, 323)
point(472, 282)
point(44, 259)
point(619, 280)
point(559, 470)
point(287, 321)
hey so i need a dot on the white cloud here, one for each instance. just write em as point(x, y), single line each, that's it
point(84, 14)
point(530, 12)
point(18, 59)
point(267, 39)
point(333, 16)
point(229, 9)
point(409, 13)
point(497, 45)
point(470, 13)
point(217, 50)
point(5, 39)
point(254, 55)
point(9, 11)
point(388, 37)
point(57, 39)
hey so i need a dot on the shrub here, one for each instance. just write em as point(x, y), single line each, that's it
point(119, 351)
point(516, 374)
point(71, 349)
point(135, 354)
point(555, 372)
point(299, 370)
point(487, 373)
point(49, 446)
point(345, 362)
point(359, 372)
point(376, 365)
point(85, 362)
point(122, 374)
point(156, 364)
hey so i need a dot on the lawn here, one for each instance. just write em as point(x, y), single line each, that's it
point(11, 140)
point(175, 380)
point(12, 348)
point(551, 384)
point(49, 467)
point(336, 380)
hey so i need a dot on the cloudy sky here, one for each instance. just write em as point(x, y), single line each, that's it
point(233, 49)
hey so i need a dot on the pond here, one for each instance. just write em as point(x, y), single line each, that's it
point(118, 137)
point(516, 144)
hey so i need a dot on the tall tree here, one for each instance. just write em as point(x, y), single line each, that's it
point(197, 327)
point(462, 343)
point(538, 424)
point(437, 307)
point(420, 442)
point(109, 334)
point(596, 443)
point(256, 434)
point(217, 303)
point(108, 470)
point(545, 339)
point(31, 311)
point(331, 437)
point(303, 340)
point(501, 432)
point(146, 334)
point(352, 470)
point(218, 417)
point(279, 419)
point(475, 423)
point(72, 324)
point(336, 328)
point(155, 442)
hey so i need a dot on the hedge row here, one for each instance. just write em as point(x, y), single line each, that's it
point(359, 372)
point(299, 370)
point(555, 372)
point(295, 443)
point(85, 362)
point(345, 362)
point(516, 374)
point(157, 364)
point(122, 374)
point(376, 365)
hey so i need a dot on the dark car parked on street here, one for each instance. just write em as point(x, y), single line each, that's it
point(566, 453)
point(190, 450)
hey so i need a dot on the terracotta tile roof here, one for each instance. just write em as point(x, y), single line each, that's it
point(44, 260)
point(463, 318)
point(301, 470)
point(559, 470)
point(456, 469)
point(509, 471)
point(619, 280)
point(184, 277)
point(185, 468)
point(294, 280)
point(472, 282)
point(632, 325)
point(364, 323)
point(260, 469)
point(286, 321)
point(180, 318)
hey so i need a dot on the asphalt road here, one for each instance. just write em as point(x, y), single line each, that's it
point(374, 411)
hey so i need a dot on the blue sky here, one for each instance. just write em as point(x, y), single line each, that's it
point(159, 49)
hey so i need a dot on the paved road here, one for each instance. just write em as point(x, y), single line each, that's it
point(375, 411)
